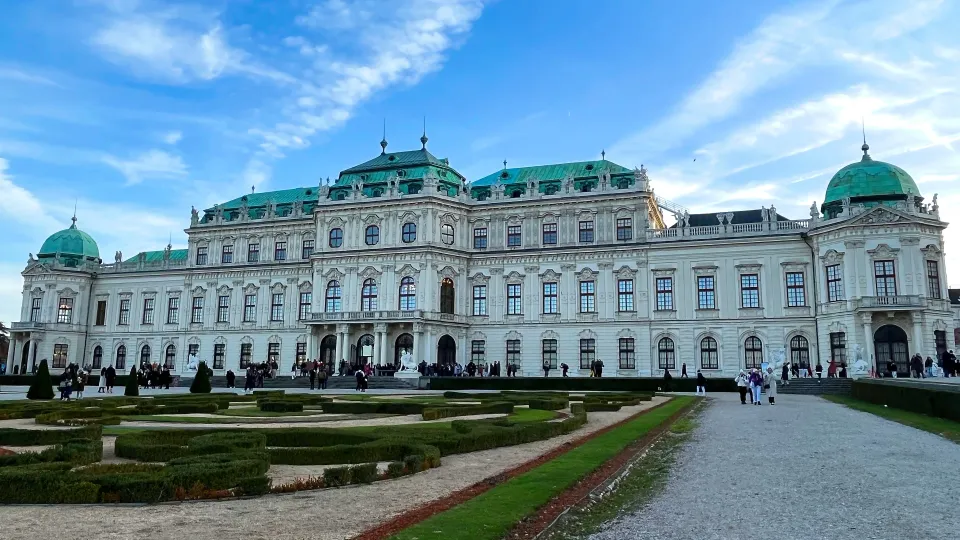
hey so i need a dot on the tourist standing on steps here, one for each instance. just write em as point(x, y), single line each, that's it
point(795, 369)
point(819, 370)
point(231, 379)
point(916, 366)
point(599, 368)
point(770, 385)
point(784, 373)
point(743, 382)
point(756, 384)
point(832, 369)
point(111, 378)
point(683, 371)
point(564, 368)
point(701, 384)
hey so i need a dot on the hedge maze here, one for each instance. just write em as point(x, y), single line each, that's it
point(206, 461)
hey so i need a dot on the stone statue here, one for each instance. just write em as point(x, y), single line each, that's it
point(860, 366)
point(297, 208)
point(192, 363)
point(407, 362)
point(118, 257)
point(772, 213)
point(846, 206)
point(764, 215)
point(936, 206)
point(271, 211)
point(194, 216)
point(779, 358)
point(814, 213)
point(31, 259)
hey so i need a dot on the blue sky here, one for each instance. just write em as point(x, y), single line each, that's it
point(138, 110)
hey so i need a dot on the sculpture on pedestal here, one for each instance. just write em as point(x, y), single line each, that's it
point(860, 366)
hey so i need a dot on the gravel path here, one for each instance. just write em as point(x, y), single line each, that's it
point(805, 468)
point(329, 514)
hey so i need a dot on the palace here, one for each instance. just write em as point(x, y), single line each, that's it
point(563, 263)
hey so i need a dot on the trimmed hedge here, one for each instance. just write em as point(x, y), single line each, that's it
point(224, 443)
point(35, 437)
point(497, 407)
point(387, 449)
point(590, 406)
point(577, 384)
point(548, 404)
point(363, 474)
point(373, 407)
point(577, 408)
point(941, 403)
point(281, 406)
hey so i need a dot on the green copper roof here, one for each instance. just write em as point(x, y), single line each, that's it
point(157, 256)
point(869, 178)
point(283, 196)
point(407, 165)
point(577, 170)
point(70, 243)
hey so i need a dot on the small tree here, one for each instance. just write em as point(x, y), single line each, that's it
point(42, 386)
point(133, 385)
point(201, 382)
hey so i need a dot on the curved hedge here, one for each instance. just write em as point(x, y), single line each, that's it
point(281, 406)
point(497, 407)
point(35, 437)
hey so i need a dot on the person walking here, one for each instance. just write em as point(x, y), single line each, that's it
point(795, 368)
point(683, 371)
point(313, 378)
point(322, 377)
point(701, 384)
point(102, 381)
point(546, 368)
point(599, 367)
point(785, 373)
point(916, 366)
point(770, 385)
point(111, 378)
point(832, 369)
point(564, 368)
point(81, 383)
point(928, 367)
point(819, 370)
point(361, 377)
point(756, 384)
point(743, 382)
point(667, 377)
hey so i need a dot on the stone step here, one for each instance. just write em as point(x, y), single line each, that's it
point(814, 386)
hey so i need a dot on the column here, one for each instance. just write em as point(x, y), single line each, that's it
point(311, 353)
point(417, 342)
point(462, 348)
point(31, 355)
point(380, 331)
point(917, 319)
point(11, 354)
point(867, 319)
point(428, 346)
point(345, 350)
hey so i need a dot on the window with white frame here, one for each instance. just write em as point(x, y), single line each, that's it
point(666, 354)
point(35, 306)
point(335, 238)
point(219, 355)
point(196, 312)
point(664, 293)
point(306, 249)
point(223, 309)
point(477, 351)
point(124, 318)
point(479, 299)
point(250, 308)
point(800, 351)
point(514, 299)
point(173, 310)
point(276, 307)
point(372, 235)
point(549, 353)
point(796, 290)
point(306, 298)
point(408, 233)
point(885, 278)
point(752, 352)
point(549, 234)
point(933, 280)
point(408, 294)
point(585, 230)
point(333, 300)
point(588, 297)
point(628, 355)
point(253, 252)
point(625, 295)
point(446, 234)
point(624, 229)
point(709, 354)
point(514, 236)
point(551, 304)
point(750, 290)
point(65, 311)
point(368, 295)
point(706, 292)
point(834, 283)
point(513, 351)
point(588, 352)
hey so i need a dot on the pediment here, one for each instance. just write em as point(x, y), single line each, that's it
point(880, 215)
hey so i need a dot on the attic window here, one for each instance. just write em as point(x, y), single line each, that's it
point(363, 177)
point(401, 173)
point(589, 167)
point(504, 174)
point(392, 157)
point(309, 192)
point(243, 198)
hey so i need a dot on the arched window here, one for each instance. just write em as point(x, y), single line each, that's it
point(145, 355)
point(372, 235)
point(409, 233)
point(336, 237)
point(447, 296)
point(413, 189)
point(666, 354)
point(121, 362)
point(170, 358)
point(368, 295)
point(800, 351)
point(446, 233)
point(752, 352)
point(709, 356)
point(408, 294)
point(333, 297)
point(97, 357)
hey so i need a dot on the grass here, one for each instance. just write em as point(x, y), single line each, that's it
point(948, 429)
point(490, 515)
point(254, 412)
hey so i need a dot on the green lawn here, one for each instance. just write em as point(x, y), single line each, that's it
point(490, 515)
point(947, 429)
point(255, 412)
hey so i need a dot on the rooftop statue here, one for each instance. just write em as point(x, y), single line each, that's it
point(118, 257)
point(194, 216)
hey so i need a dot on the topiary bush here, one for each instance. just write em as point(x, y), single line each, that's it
point(281, 406)
point(396, 469)
point(363, 474)
point(225, 443)
point(133, 387)
point(547, 404)
point(36, 437)
point(201, 382)
point(577, 408)
point(42, 385)
point(336, 476)
point(601, 407)
point(436, 413)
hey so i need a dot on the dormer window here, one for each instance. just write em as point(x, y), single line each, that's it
point(401, 173)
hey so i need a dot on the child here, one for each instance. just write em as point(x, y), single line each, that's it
point(701, 384)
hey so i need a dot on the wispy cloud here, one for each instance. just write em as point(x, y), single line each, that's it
point(19, 75)
point(172, 137)
point(18, 204)
point(149, 165)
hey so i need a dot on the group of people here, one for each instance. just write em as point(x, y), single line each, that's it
point(922, 369)
point(154, 376)
point(756, 382)
point(72, 380)
point(802, 370)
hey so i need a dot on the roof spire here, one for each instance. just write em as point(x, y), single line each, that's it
point(383, 142)
point(253, 188)
point(865, 147)
point(73, 225)
point(423, 138)
point(603, 154)
point(504, 164)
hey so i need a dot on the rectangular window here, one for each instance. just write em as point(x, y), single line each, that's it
point(586, 232)
point(514, 236)
point(514, 299)
point(124, 312)
point(588, 297)
point(479, 299)
point(478, 351)
point(202, 255)
point(549, 234)
point(280, 251)
point(196, 313)
point(549, 349)
point(148, 304)
point(250, 308)
point(226, 255)
point(101, 313)
point(933, 280)
point(750, 291)
point(624, 229)
point(306, 298)
point(550, 301)
point(246, 355)
point(628, 357)
point(625, 295)
point(885, 278)
point(276, 308)
point(60, 355)
point(838, 347)
point(35, 305)
point(796, 293)
point(513, 351)
point(219, 354)
point(306, 249)
point(480, 238)
point(709, 355)
point(301, 354)
point(664, 293)
point(273, 352)
point(706, 292)
point(834, 283)
point(588, 353)
point(173, 311)
point(940, 341)
point(223, 309)
point(65, 311)
point(253, 253)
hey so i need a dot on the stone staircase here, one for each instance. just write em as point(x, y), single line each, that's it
point(333, 383)
point(815, 387)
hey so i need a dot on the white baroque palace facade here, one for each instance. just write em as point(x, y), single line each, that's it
point(565, 263)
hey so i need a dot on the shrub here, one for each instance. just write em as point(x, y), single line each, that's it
point(376, 450)
point(254, 485)
point(201, 381)
point(547, 404)
point(132, 388)
point(336, 476)
point(577, 408)
point(938, 402)
point(77, 493)
point(461, 426)
point(363, 474)
point(396, 469)
point(281, 406)
point(226, 442)
point(34, 437)
point(436, 413)
point(601, 407)
point(373, 407)
point(413, 463)
point(576, 384)
point(42, 386)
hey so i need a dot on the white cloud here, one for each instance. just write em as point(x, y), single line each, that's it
point(12, 74)
point(18, 204)
point(339, 14)
point(172, 137)
point(149, 165)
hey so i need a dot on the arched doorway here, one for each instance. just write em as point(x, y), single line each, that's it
point(328, 348)
point(890, 344)
point(364, 351)
point(446, 350)
point(404, 343)
point(25, 357)
point(447, 296)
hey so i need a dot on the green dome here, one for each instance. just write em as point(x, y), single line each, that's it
point(70, 243)
point(869, 180)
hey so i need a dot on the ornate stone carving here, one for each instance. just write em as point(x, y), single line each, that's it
point(832, 256)
point(883, 251)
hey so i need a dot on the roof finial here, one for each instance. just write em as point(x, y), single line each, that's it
point(603, 154)
point(383, 142)
point(865, 147)
point(504, 164)
point(73, 225)
point(423, 138)
point(253, 188)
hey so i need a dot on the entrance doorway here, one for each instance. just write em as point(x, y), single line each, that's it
point(364, 351)
point(404, 343)
point(446, 350)
point(890, 343)
point(25, 357)
point(328, 348)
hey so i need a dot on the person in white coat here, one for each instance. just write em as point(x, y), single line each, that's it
point(770, 385)
point(743, 382)
point(102, 382)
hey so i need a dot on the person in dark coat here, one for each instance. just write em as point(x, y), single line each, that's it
point(111, 378)
point(683, 371)
point(564, 368)
point(916, 366)
point(165, 378)
point(599, 368)
point(313, 378)
point(784, 373)
point(361, 380)
point(667, 377)
point(701, 384)
point(231, 379)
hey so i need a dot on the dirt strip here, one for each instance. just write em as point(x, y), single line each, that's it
point(412, 517)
